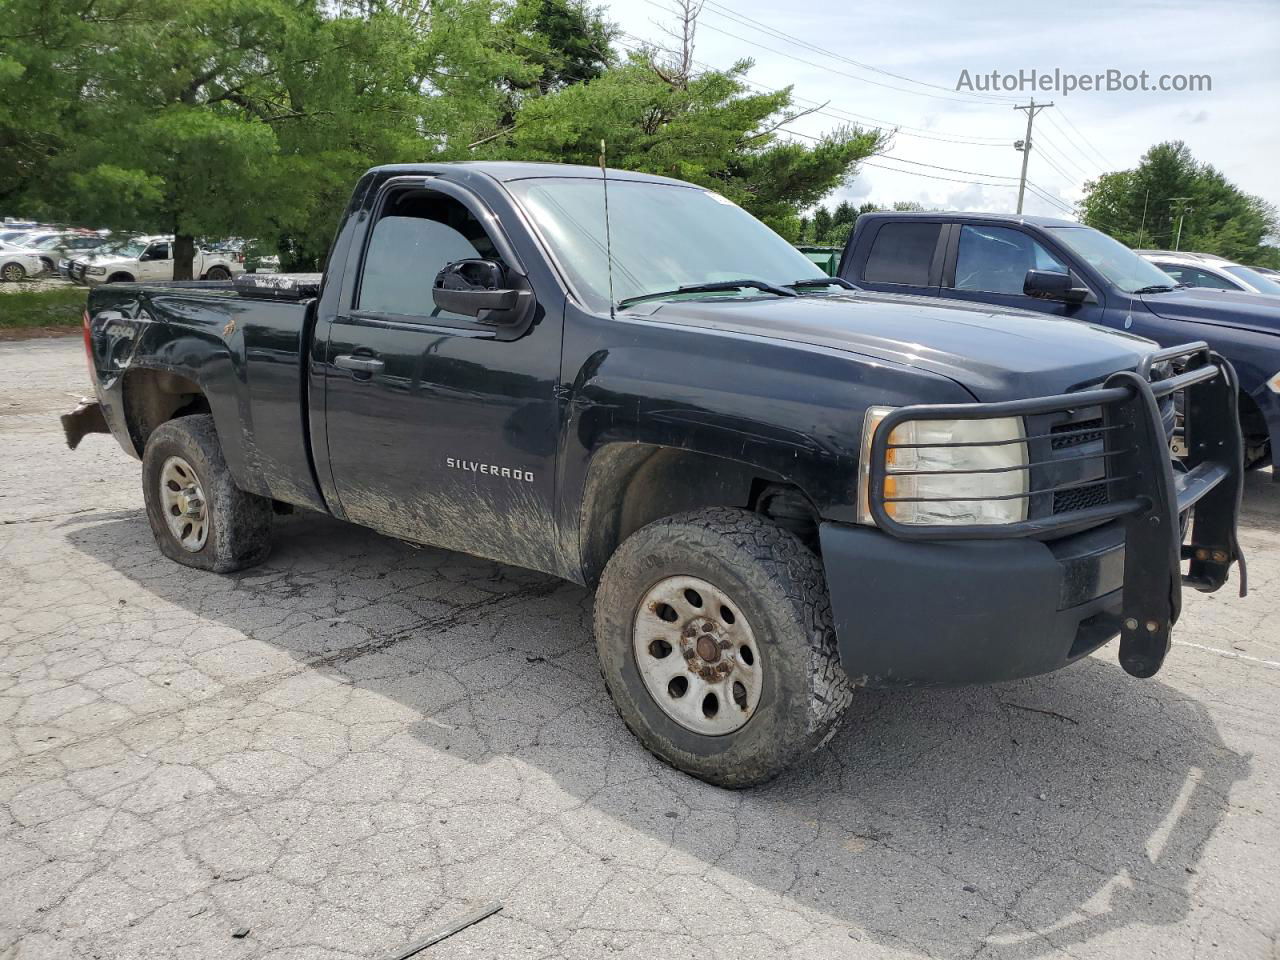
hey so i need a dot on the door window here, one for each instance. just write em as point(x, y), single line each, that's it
point(902, 253)
point(996, 259)
point(157, 251)
point(418, 233)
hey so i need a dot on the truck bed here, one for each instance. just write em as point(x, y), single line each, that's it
point(246, 344)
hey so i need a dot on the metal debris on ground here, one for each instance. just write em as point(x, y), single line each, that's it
point(447, 931)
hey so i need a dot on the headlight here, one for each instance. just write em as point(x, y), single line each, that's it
point(934, 465)
point(1274, 383)
point(97, 271)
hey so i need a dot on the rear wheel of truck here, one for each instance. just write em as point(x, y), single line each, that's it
point(716, 643)
point(197, 514)
point(218, 273)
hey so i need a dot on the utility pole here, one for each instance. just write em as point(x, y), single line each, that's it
point(1183, 210)
point(1025, 145)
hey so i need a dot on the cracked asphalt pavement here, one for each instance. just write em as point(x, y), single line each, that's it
point(360, 741)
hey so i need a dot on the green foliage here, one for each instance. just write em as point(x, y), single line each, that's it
point(1220, 218)
point(253, 118)
point(60, 307)
point(708, 129)
point(833, 227)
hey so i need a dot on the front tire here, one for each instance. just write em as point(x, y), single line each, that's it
point(198, 516)
point(716, 642)
point(13, 272)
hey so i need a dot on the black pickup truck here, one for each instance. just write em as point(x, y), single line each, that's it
point(781, 488)
point(1065, 269)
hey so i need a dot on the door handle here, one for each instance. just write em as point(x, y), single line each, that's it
point(358, 364)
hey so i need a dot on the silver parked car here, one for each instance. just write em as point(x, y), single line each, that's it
point(18, 263)
point(1210, 270)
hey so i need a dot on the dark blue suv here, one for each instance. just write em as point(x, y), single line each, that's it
point(1063, 268)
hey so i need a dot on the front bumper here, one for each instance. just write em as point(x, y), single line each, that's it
point(966, 604)
point(970, 611)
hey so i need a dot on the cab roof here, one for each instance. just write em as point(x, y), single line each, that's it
point(959, 215)
point(507, 170)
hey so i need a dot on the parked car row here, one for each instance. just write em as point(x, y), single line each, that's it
point(34, 251)
point(27, 252)
point(147, 260)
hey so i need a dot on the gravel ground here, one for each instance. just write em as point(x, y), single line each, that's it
point(359, 741)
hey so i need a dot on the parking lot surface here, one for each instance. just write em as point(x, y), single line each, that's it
point(360, 741)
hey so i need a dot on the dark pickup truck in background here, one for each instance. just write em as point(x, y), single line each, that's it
point(1065, 269)
point(692, 418)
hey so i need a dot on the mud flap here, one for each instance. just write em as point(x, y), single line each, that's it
point(86, 418)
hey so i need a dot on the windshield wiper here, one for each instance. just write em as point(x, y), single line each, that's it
point(809, 283)
point(1156, 288)
point(716, 287)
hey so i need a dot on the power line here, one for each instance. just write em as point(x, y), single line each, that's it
point(720, 9)
point(1056, 152)
point(837, 113)
point(819, 66)
point(1090, 163)
point(1107, 164)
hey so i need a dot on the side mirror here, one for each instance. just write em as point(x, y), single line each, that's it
point(1051, 285)
point(479, 288)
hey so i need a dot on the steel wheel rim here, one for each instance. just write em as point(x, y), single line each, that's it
point(183, 502)
point(697, 656)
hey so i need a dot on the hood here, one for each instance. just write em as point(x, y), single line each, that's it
point(996, 353)
point(98, 260)
point(1226, 308)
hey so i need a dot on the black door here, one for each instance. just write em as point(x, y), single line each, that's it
point(441, 429)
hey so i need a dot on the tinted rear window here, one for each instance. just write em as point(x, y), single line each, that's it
point(901, 253)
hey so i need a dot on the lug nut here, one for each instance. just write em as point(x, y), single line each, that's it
point(1131, 624)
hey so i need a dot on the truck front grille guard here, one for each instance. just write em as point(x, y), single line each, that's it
point(1145, 492)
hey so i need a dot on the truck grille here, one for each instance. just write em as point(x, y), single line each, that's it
point(1074, 439)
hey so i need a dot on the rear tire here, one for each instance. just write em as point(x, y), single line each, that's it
point(13, 272)
point(779, 592)
point(198, 516)
point(218, 273)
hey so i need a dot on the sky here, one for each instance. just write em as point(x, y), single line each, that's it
point(898, 63)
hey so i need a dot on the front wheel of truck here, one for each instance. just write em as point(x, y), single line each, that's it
point(198, 515)
point(716, 642)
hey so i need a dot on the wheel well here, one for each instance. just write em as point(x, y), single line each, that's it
point(632, 485)
point(120, 278)
point(153, 397)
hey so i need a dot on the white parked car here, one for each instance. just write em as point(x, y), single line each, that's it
point(1210, 270)
point(17, 264)
point(147, 260)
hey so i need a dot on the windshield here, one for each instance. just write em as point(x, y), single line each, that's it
point(121, 248)
point(1112, 259)
point(1254, 279)
point(664, 237)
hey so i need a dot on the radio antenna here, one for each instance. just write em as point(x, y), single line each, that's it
point(608, 242)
